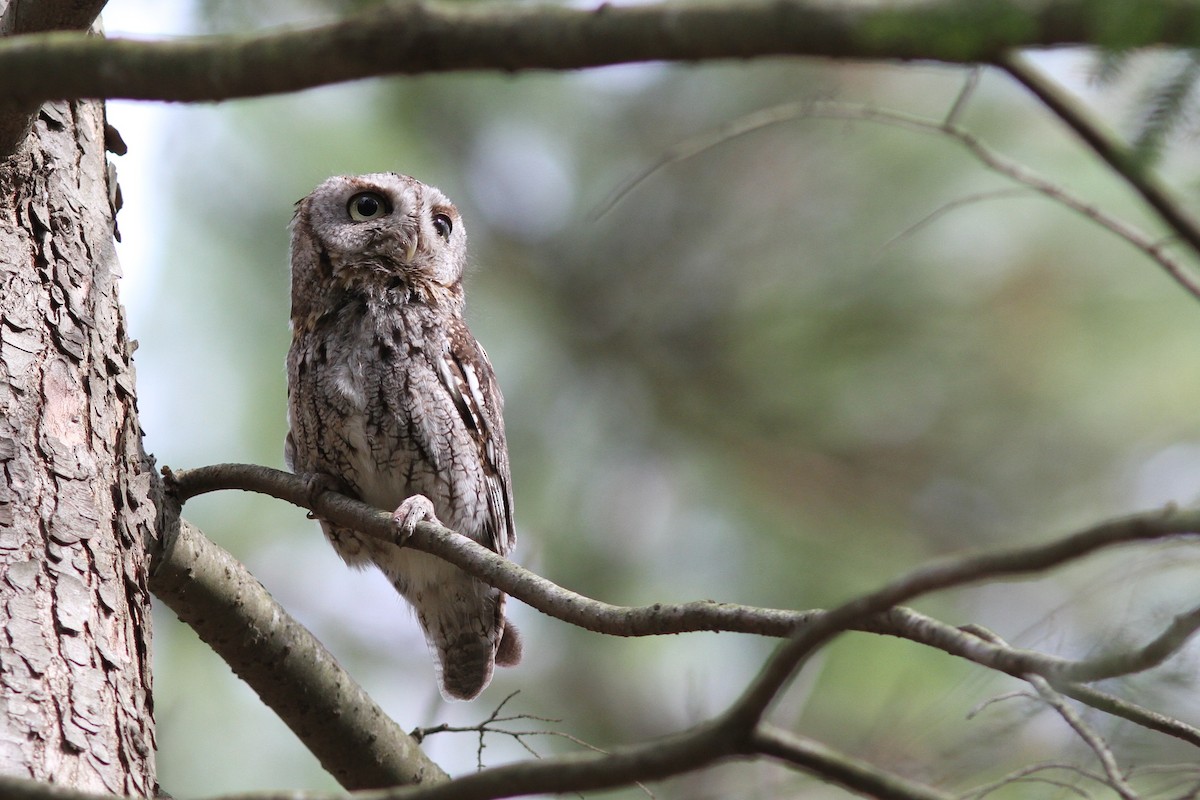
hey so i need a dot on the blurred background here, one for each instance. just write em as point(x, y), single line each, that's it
point(755, 377)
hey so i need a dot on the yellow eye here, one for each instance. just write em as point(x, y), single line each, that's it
point(366, 206)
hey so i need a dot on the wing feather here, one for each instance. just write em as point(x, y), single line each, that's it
point(467, 375)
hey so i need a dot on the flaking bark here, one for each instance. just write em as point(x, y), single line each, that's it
point(76, 506)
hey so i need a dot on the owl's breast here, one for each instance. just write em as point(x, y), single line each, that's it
point(369, 394)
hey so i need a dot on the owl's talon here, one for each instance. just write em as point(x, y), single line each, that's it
point(316, 484)
point(417, 508)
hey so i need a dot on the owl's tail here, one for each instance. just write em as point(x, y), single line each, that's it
point(470, 636)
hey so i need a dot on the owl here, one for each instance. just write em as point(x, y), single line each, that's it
point(392, 401)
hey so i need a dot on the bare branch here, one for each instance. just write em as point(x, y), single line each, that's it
point(845, 770)
point(493, 724)
point(1107, 146)
point(538, 592)
point(699, 747)
point(733, 733)
point(1154, 249)
point(417, 37)
point(944, 574)
point(870, 612)
point(1018, 694)
point(1116, 780)
point(953, 205)
point(601, 617)
point(1030, 774)
point(1110, 704)
point(964, 97)
point(290, 670)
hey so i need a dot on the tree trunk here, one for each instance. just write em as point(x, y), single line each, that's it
point(76, 510)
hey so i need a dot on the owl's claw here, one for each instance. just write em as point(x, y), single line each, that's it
point(417, 508)
point(316, 484)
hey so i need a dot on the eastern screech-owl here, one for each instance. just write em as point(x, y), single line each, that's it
point(391, 397)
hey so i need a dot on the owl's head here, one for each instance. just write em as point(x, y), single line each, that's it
point(377, 231)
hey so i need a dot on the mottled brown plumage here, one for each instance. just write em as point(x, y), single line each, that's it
point(391, 398)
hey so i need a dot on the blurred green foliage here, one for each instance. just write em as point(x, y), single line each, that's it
point(752, 380)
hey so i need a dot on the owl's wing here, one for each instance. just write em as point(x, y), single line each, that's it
point(467, 375)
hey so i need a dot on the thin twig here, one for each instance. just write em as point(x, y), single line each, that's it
point(1029, 775)
point(1116, 154)
point(1117, 707)
point(953, 205)
point(1154, 249)
point(964, 97)
point(1116, 780)
point(992, 701)
point(851, 772)
point(491, 725)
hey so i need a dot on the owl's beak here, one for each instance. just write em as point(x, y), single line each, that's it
point(410, 249)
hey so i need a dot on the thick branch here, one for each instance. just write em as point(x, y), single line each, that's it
point(416, 37)
point(33, 16)
point(289, 669)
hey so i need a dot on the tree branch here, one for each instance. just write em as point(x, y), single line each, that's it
point(708, 616)
point(658, 619)
point(735, 733)
point(1153, 248)
point(947, 573)
point(851, 772)
point(33, 16)
point(355, 741)
point(418, 37)
point(663, 618)
point(1115, 780)
point(1115, 153)
point(1151, 720)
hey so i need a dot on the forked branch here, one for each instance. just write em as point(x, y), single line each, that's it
point(739, 731)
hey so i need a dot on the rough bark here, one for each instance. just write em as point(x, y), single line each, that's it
point(290, 670)
point(76, 504)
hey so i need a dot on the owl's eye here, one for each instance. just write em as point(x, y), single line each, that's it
point(367, 206)
point(443, 226)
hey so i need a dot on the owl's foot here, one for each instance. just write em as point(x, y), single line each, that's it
point(417, 508)
point(316, 484)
